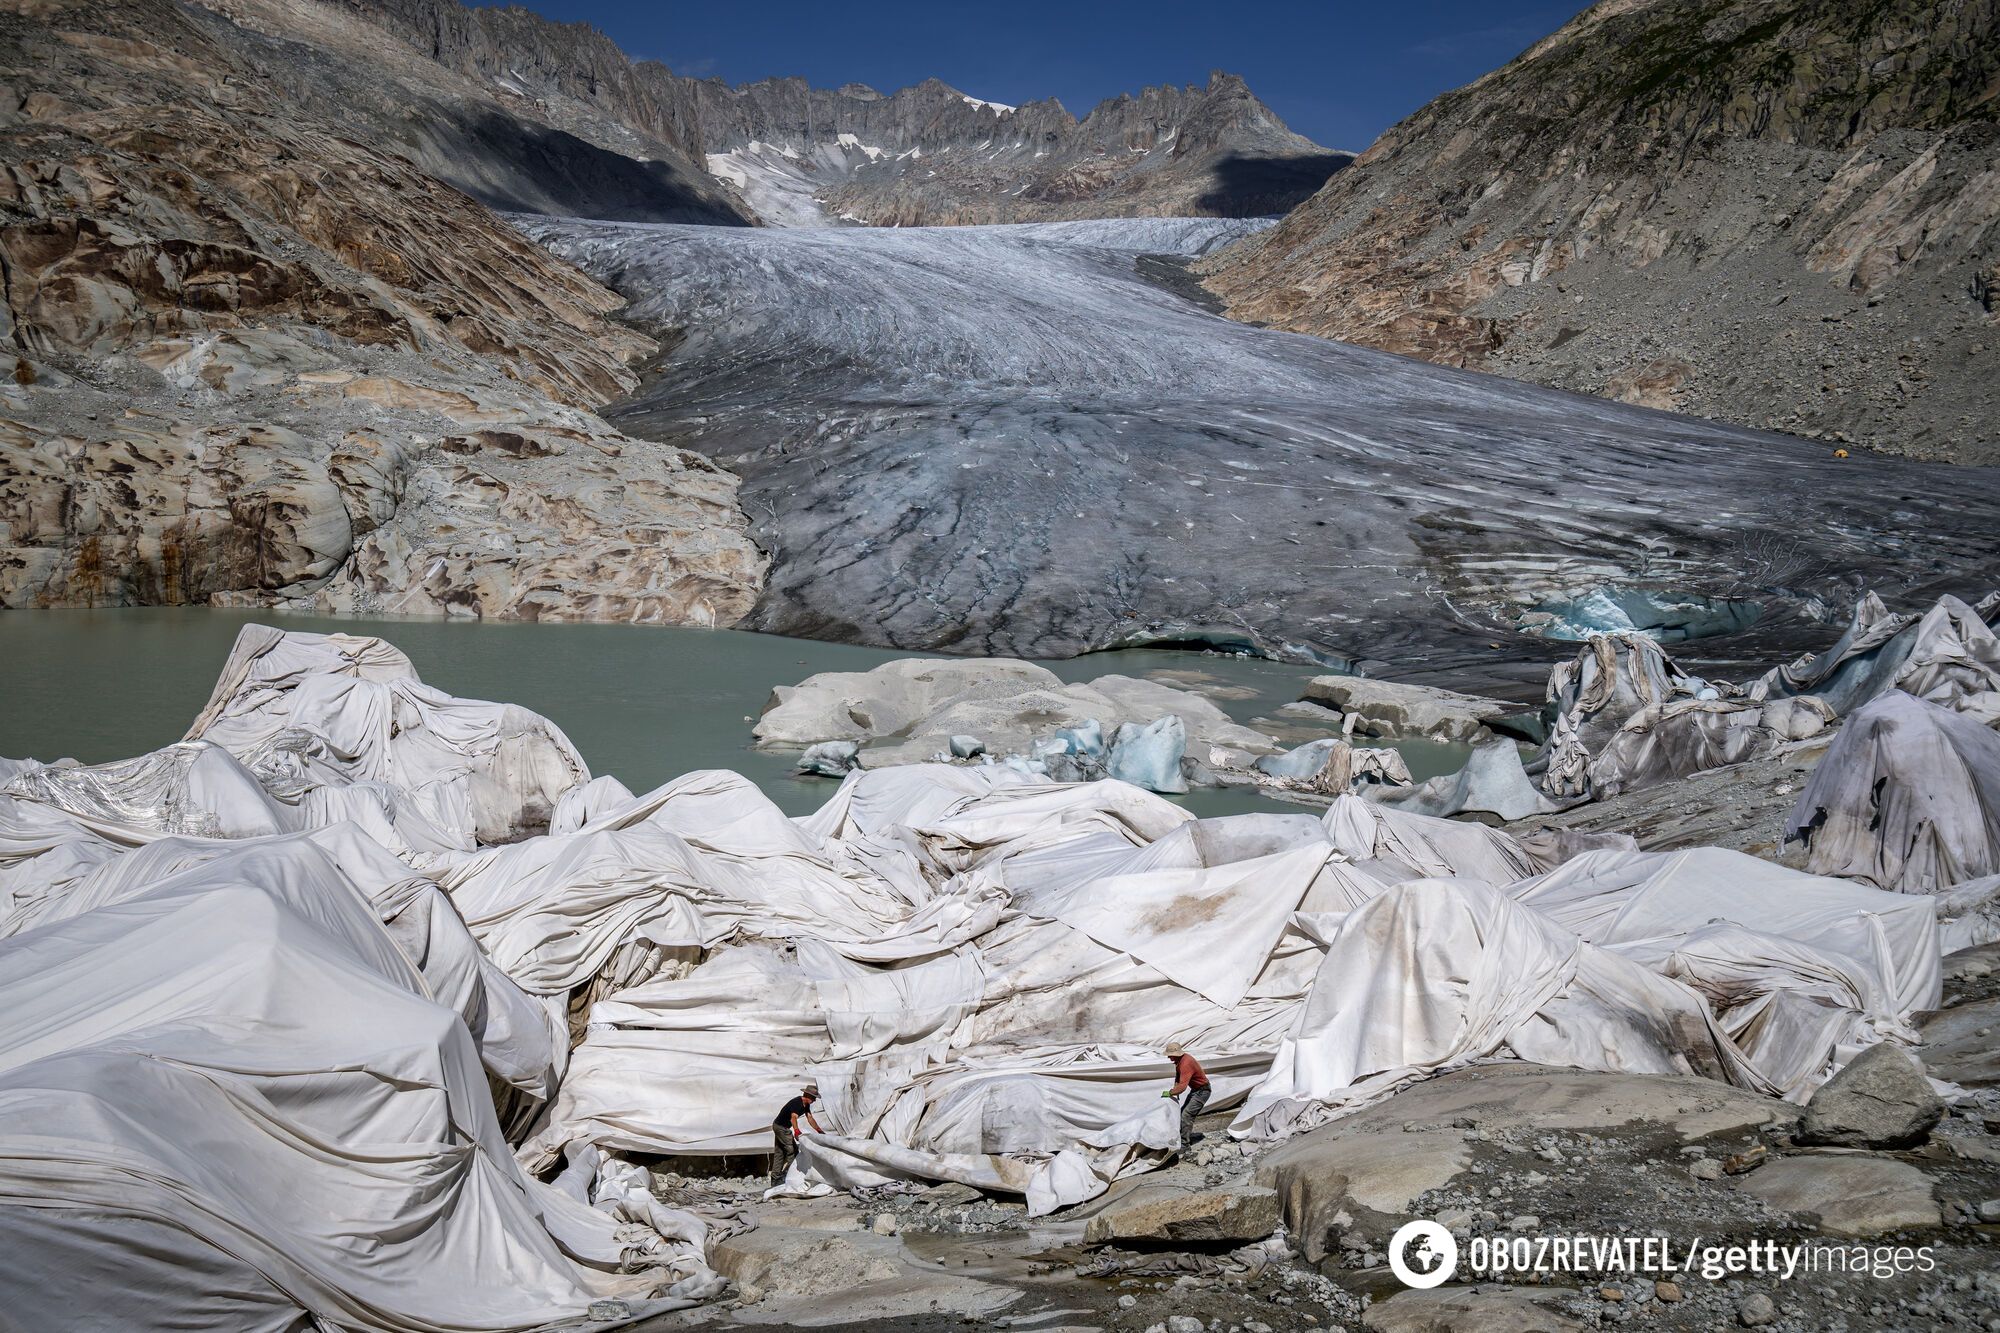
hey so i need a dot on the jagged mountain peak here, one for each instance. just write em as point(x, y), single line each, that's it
point(933, 153)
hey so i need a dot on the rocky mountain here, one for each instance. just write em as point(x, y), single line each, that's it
point(520, 113)
point(253, 355)
point(931, 154)
point(1775, 212)
point(463, 80)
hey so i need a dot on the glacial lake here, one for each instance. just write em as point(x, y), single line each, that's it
point(641, 702)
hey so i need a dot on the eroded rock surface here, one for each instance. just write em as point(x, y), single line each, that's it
point(1879, 1099)
point(252, 360)
point(1390, 709)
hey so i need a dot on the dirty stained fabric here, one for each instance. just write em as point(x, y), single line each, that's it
point(1907, 798)
point(1949, 655)
point(1435, 973)
point(235, 1082)
point(315, 710)
point(350, 910)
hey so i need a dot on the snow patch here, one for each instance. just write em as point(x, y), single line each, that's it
point(849, 141)
point(998, 108)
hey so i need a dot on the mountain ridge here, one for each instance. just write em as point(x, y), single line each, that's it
point(1686, 204)
point(785, 146)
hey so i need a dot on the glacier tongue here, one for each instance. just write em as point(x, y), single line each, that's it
point(1004, 440)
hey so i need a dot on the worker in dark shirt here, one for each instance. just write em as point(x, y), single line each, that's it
point(1188, 1078)
point(785, 1130)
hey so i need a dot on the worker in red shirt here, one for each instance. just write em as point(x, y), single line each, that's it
point(1188, 1078)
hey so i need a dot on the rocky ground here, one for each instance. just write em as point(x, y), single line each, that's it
point(1018, 445)
point(1740, 806)
point(1780, 215)
point(1505, 1150)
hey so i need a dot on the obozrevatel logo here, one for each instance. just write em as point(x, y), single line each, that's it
point(1422, 1254)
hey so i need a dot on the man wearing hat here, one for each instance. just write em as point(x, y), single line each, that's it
point(1188, 1078)
point(785, 1130)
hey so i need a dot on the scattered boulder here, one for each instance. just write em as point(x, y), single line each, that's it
point(1880, 1099)
point(1960, 1045)
point(1852, 1195)
point(967, 747)
point(1390, 710)
point(1469, 1310)
point(1163, 1212)
point(1756, 1310)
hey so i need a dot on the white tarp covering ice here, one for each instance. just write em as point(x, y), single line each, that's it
point(232, 973)
point(1908, 798)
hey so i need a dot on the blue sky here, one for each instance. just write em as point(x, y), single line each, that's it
point(1338, 72)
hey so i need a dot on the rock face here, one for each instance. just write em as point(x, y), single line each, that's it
point(1853, 1196)
point(930, 154)
point(1018, 445)
point(1778, 214)
point(1879, 1099)
point(514, 110)
point(1239, 1213)
point(251, 359)
point(1389, 709)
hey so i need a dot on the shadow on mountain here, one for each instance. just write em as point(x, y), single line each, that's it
point(519, 167)
point(1254, 186)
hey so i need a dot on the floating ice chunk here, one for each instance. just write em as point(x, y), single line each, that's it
point(831, 759)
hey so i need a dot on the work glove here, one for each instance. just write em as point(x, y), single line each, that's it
point(1168, 1095)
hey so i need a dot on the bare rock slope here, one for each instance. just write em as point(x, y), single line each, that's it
point(249, 358)
point(1780, 213)
point(512, 109)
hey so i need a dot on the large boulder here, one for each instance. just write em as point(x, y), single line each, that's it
point(1880, 1099)
point(1959, 1044)
point(1389, 709)
point(1161, 1212)
point(1853, 1196)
